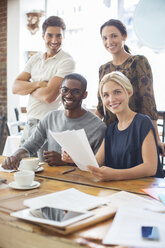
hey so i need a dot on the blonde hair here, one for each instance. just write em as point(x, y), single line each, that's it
point(119, 78)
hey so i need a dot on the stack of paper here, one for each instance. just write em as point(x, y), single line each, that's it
point(76, 144)
point(126, 228)
point(134, 201)
point(71, 199)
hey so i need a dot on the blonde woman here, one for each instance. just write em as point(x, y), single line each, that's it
point(129, 149)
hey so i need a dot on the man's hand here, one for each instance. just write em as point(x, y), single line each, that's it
point(11, 163)
point(53, 158)
point(23, 86)
point(49, 93)
point(41, 84)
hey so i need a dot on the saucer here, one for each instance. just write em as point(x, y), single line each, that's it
point(41, 163)
point(34, 185)
point(40, 168)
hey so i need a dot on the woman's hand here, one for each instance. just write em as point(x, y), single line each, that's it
point(66, 158)
point(162, 147)
point(103, 173)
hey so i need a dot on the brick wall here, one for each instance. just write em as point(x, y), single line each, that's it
point(3, 57)
point(3, 61)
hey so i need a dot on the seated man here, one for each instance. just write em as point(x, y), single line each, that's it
point(74, 116)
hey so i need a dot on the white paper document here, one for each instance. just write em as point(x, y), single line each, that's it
point(126, 228)
point(70, 199)
point(127, 199)
point(76, 144)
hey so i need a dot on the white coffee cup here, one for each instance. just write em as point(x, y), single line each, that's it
point(30, 164)
point(24, 178)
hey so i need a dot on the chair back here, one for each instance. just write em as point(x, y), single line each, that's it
point(17, 118)
point(2, 128)
point(15, 127)
point(161, 115)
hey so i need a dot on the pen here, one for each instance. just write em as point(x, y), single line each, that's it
point(67, 171)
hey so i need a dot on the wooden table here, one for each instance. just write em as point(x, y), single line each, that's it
point(17, 233)
point(85, 178)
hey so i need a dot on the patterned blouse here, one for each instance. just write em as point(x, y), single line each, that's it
point(138, 70)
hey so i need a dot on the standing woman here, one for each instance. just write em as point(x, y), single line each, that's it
point(135, 67)
point(129, 149)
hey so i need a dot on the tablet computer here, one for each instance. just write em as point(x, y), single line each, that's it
point(52, 216)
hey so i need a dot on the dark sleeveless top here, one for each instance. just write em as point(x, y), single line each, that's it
point(123, 149)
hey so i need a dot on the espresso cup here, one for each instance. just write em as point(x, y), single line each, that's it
point(24, 178)
point(30, 164)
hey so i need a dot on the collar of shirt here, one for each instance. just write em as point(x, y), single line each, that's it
point(56, 56)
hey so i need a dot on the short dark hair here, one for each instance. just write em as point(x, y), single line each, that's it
point(120, 26)
point(77, 77)
point(53, 21)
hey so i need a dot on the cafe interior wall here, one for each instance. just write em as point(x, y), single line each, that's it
point(3, 57)
point(21, 41)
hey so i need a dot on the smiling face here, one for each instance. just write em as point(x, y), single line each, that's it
point(115, 98)
point(72, 94)
point(112, 38)
point(53, 39)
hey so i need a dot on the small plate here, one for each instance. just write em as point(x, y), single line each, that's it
point(34, 185)
point(40, 168)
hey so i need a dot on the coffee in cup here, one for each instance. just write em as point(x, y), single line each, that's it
point(24, 178)
point(30, 164)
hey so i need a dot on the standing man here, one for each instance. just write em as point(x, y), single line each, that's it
point(43, 75)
